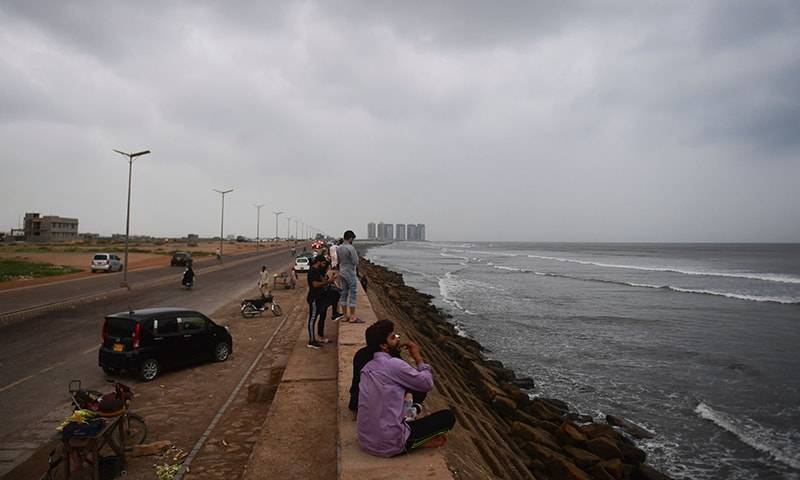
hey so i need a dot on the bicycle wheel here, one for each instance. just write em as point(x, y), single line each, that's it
point(276, 310)
point(135, 428)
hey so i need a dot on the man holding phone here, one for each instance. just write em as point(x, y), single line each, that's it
point(380, 426)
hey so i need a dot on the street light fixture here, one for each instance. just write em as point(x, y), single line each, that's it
point(222, 218)
point(258, 226)
point(276, 224)
point(130, 156)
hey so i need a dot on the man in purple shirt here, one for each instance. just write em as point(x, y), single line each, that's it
point(381, 426)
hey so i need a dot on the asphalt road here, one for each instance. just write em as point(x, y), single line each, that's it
point(40, 355)
point(27, 297)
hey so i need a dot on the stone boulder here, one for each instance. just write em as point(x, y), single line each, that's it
point(603, 448)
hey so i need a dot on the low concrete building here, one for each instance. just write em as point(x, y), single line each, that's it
point(50, 228)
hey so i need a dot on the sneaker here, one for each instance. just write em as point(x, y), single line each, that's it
point(314, 345)
point(337, 316)
point(323, 340)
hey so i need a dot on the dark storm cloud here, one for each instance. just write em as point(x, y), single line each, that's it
point(589, 120)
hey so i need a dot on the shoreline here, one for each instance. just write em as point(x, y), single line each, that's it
point(544, 436)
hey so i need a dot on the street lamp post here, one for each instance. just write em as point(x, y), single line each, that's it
point(276, 224)
point(288, 221)
point(258, 226)
point(295, 229)
point(130, 156)
point(222, 219)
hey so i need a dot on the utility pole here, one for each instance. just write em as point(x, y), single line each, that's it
point(130, 156)
point(276, 224)
point(295, 229)
point(258, 226)
point(222, 219)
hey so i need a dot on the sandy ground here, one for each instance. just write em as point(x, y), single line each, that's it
point(159, 256)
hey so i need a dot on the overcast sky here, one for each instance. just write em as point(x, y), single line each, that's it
point(551, 121)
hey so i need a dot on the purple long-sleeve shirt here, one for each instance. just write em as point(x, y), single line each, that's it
point(384, 381)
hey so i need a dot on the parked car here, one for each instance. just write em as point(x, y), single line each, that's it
point(147, 342)
point(107, 262)
point(301, 264)
point(180, 259)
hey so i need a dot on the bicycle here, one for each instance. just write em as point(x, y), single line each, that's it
point(114, 404)
point(52, 464)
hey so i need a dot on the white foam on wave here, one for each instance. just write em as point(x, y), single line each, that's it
point(767, 277)
point(448, 285)
point(738, 296)
point(464, 260)
point(782, 447)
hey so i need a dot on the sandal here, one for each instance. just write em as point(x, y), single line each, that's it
point(357, 320)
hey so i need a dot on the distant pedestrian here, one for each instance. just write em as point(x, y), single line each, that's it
point(334, 256)
point(263, 281)
point(348, 261)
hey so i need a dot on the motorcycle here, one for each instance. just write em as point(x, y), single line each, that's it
point(255, 306)
point(187, 280)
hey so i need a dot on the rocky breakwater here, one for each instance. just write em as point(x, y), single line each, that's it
point(546, 435)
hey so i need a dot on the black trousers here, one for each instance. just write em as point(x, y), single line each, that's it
point(429, 427)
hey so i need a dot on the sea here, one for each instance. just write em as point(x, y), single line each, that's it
point(698, 343)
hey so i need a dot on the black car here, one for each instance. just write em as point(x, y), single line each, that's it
point(146, 342)
point(181, 259)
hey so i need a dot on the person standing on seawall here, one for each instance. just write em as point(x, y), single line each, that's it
point(348, 261)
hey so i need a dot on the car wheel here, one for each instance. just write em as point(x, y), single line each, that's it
point(94, 271)
point(109, 370)
point(149, 369)
point(221, 352)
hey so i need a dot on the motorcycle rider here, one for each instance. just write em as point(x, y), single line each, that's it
point(188, 276)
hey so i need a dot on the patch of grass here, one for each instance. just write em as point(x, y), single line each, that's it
point(18, 269)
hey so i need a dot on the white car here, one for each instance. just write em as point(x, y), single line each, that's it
point(301, 264)
point(107, 262)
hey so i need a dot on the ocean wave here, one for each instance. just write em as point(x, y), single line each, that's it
point(738, 296)
point(448, 286)
point(766, 277)
point(464, 260)
point(781, 446)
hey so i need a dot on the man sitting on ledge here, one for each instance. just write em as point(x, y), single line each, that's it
point(381, 426)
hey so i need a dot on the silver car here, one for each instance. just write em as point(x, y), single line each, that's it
point(107, 262)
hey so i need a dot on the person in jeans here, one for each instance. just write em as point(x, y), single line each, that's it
point(317, 281)
point(348, 260)
point(381, 427)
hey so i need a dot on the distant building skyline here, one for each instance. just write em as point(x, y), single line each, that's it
point(397, 232)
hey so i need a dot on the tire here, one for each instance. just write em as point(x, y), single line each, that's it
point(135, 428)
point(221, 352)
point(94, 271)
point(149, 369)
point(277, 310)
point(249, 311)
point(109, 371)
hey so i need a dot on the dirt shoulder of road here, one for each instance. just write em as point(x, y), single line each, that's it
point(144, 256)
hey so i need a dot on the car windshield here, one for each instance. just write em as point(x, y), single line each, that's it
point(101, 256)
point(302, 260)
